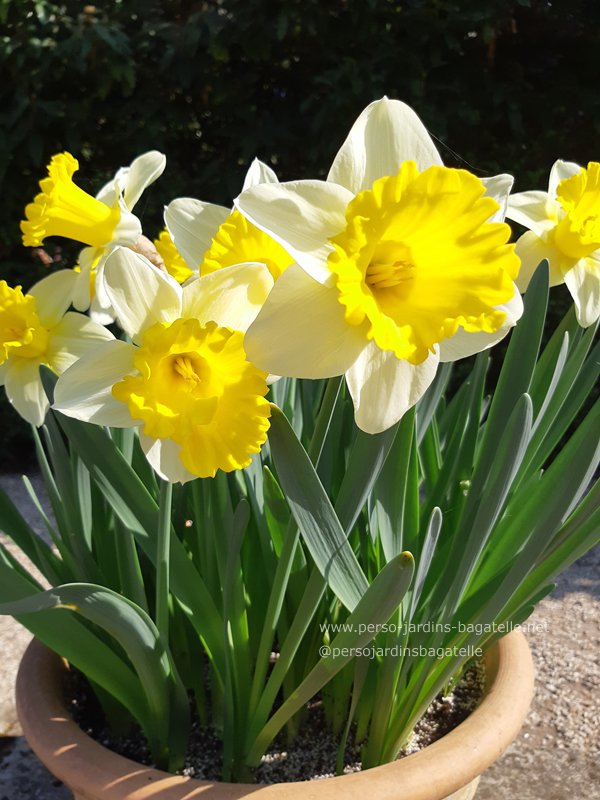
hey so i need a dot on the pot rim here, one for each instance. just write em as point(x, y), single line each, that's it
point(429, 774)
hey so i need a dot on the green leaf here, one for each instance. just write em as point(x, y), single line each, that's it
point(314, 513)
point(13, 524)
point(138, 511)
point(393, 487)
point(277, 510)
point(374, 609)
point(575, 383)
point(237, 657)
point(426, 556)
point(546, 365)
point(427, 405)
point(367, 460)
point(517, 370)
point(137, 634)
point(530, 522)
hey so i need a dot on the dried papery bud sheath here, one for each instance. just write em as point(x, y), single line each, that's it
point(146, 248)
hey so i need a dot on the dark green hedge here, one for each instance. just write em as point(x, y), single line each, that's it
point(505, 86)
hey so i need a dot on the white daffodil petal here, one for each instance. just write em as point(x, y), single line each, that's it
point(531, 210)
point(387, 133)
point(498, 187)
point(101, 296)
point(140, 293)
point(144, 170)
point(301, 216)
point(163, 456)
point(53, 295)
point(192, 225)
point(131, 181)
point(25, 391)
point(384, 387)
point(74, 336)
point(103, 316)
point(259, 173)
point(532, 251)
point(128, 229)
point(301, 332)
point(583, 281)
point(109, 193)
point(464, 344)
point(84, 391)
point(231, 297)
point(560, 172)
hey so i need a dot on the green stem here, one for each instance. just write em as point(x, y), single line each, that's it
point(162, 558)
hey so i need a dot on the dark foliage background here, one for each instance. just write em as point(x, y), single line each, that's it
point(504, 85)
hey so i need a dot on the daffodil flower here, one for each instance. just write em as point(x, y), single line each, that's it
point(401, 263)
point(185, 380)
point(211, 237)
point(103, 223)
point(173, 260)
point(564, 228)
point(35, 330)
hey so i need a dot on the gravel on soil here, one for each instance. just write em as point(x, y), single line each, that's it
point(555, 757)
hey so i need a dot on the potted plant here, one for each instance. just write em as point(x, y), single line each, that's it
point(263, 488)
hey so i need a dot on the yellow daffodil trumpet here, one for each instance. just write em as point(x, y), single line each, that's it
point(196, 388)
point(238, 241)
point(64, 209)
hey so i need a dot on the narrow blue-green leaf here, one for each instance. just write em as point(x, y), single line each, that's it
point(314, 513)
point(426, 556)
point(136, 633)
point(70, 638)
point(577, 380)
point(392, 487)
point(237, 658)
point(367, 460)
point(13, 524)
point(138, 511)
point(517, 370)
point(375, 607)
point(277, 510)
point(546, 365)
point(531, 522)
point(482, 512)
point(428, 404)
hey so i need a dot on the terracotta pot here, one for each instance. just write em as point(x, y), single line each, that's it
point(450, 768)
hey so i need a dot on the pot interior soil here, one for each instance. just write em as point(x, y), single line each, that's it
point(311, 756)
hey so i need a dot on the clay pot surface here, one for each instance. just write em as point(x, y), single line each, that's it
point(447, 769)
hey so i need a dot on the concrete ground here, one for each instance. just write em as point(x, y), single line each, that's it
point(555, 757)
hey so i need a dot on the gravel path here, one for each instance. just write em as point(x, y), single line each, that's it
point(555, 757)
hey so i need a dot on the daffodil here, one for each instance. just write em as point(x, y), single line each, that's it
point(64, 209)
point(211, 237)
point(564, 228)
point(401, 263)
point(184, 381)
point(35, 330)
point(172, 258)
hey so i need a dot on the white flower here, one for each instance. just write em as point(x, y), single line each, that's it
point(564, 228)
point(123, 192)
point(184, 381)
point(401, 263)
point(35, 330)
point(210, 237)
